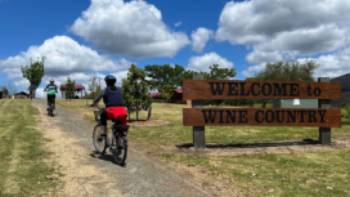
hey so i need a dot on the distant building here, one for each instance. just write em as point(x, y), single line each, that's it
point(176, 96)
point(79, 90)
point(344, 81)
point(21, 95)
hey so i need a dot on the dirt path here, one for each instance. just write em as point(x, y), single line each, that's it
point(84, 175)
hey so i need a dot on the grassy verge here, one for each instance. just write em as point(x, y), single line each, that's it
point(24, 168)
point(303, 173)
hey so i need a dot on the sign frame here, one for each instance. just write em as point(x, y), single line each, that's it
point(199, 90)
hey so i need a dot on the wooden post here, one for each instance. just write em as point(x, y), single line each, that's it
point(324, 133)
point(198, 131)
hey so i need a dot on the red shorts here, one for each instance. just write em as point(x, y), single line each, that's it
point(117, 113)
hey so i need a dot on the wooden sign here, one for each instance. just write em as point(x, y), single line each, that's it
point(254, 89)
point(262, 117)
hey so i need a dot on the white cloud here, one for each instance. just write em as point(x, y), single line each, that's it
point(200, 37)
point(202, 63)
point(178, 24)
point(258, 56)
point(40, 93)
point(265, 19)
point(324, 38)
point(64, 58)
point(134, 28)
point(284, 29)
point(251, 71)
point(332, 65)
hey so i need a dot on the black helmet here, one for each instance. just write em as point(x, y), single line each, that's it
point(110, 80)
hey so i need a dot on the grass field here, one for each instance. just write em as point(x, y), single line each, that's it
point(309, 172)
point(24, 168)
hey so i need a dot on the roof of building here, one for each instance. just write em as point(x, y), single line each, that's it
point(78, 87)
point(21, 93)
point(344, 80)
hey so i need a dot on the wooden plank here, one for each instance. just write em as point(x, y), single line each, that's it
point(262, 117)
point(254, 89)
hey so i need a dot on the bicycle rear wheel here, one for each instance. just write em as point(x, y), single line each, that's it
point(120, 150)
point(99, 139)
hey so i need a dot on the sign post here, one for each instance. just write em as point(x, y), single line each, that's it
point(198, 116)
point(198, 131)
point(324, 135)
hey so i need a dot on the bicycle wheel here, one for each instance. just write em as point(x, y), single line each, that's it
point(99, 139)
point(50, 110)
point(120, 150)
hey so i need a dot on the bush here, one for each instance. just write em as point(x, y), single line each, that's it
point(345, 113)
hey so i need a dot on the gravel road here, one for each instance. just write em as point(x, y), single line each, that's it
point(141, 177)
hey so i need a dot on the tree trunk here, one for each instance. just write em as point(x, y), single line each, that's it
point(32, 93)
point(149, 113)
point(137, 114)
point(264, 102)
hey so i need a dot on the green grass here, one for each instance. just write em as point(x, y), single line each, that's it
point(302, 174)
point(305, 173)
point(24, 168)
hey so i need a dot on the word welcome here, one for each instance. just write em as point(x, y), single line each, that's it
point(257, 89)
point(254, 89)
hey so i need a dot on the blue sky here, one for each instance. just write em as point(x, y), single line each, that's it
point(241, 34)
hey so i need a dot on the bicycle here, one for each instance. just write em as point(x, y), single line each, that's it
point(118, 146)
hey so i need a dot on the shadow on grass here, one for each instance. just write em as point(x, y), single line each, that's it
point(105, 157)
point(252, 145)
point(133, 120)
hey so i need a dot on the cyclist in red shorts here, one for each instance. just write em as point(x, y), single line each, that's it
point(112, 97)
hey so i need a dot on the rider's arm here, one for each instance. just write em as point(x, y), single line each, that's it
point(97, 99)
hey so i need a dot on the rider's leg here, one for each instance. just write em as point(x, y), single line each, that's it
point(104, 123)
point(48, 101)
point(54, 101)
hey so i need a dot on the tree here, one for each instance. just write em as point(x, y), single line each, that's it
point(70, 89)
point(5, 92)
point(220, 73)
point(215, 72)
point(288, 71)
point(136, 91)
point(293, 71)
point(34, 72)
point(164, 78)
point(94, 87)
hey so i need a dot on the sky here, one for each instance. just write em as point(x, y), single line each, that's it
point(82, 38)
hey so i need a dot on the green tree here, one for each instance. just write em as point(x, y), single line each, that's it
point(70, 89)
point(5, 92)
point(136, 91)
point(293, 71)
point(215, 72)
point(220, 73)
point(94, 87)
point(34, 72)
point(164, 78)
point(288, 71)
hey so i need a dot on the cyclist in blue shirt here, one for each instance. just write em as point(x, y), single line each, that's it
point(111, 95)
